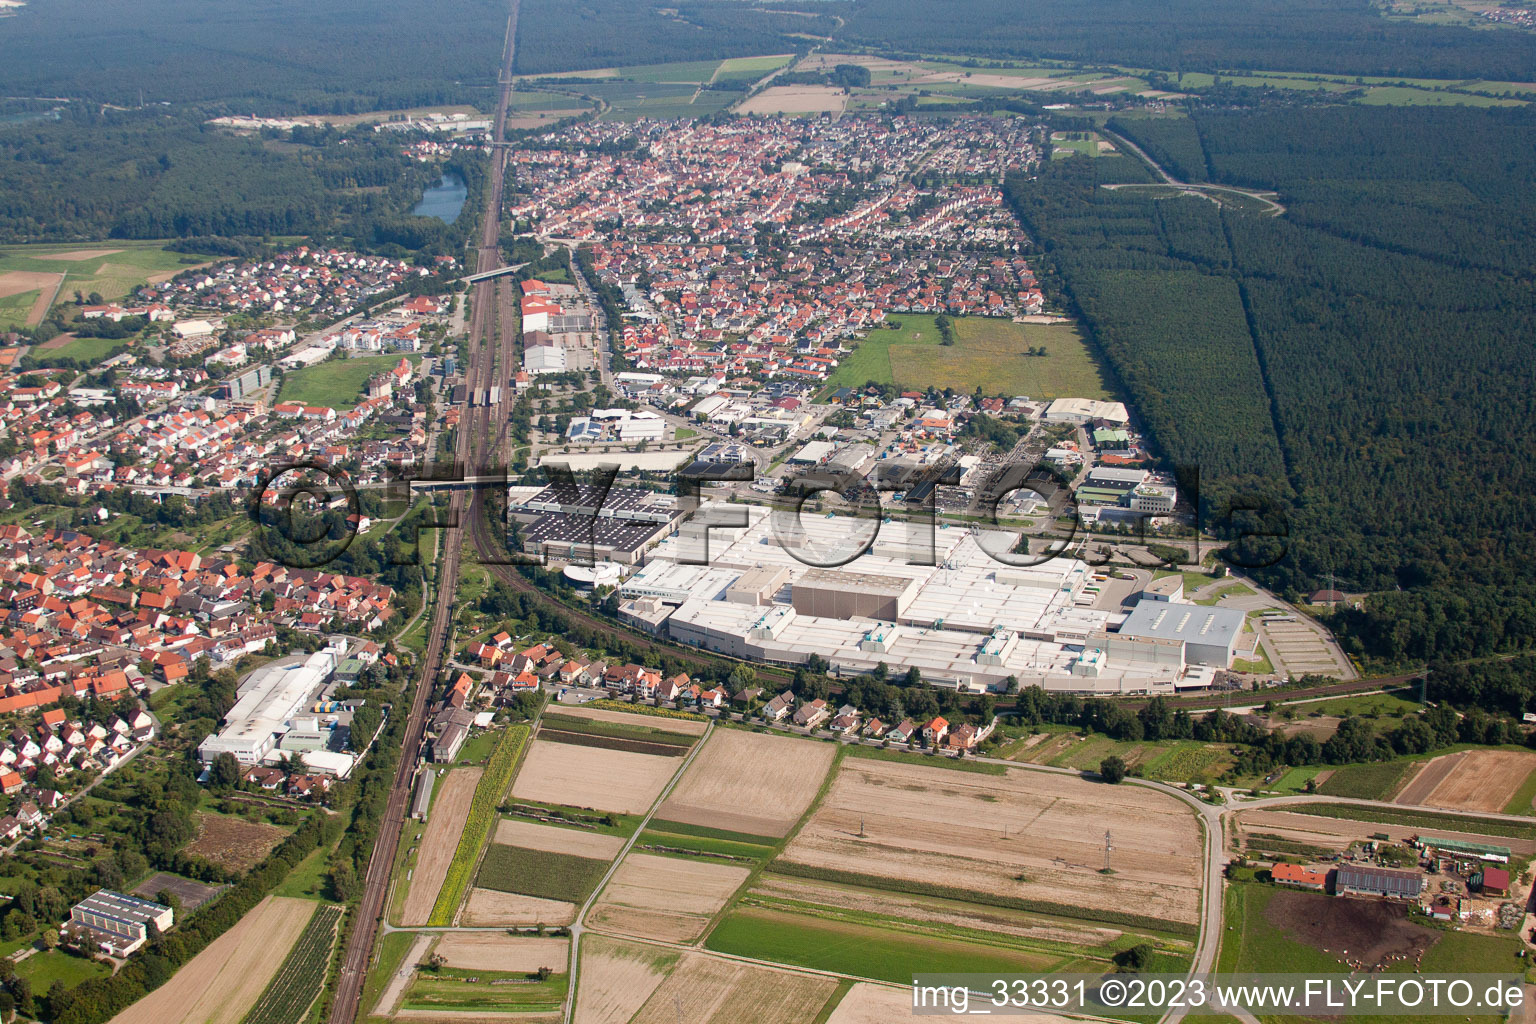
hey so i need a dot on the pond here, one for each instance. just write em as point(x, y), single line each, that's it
point(443, 200)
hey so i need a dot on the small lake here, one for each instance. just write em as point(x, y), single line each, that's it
point(443, 200)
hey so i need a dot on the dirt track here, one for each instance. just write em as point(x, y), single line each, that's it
point(450, 809)
point(220, 984)
point(749, 782)
point(1024, 834)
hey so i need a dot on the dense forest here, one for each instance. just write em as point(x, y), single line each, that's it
point(1387, 348)
point(568, 35)
point(279, 56)
point(154, 174)
point(1335, 36)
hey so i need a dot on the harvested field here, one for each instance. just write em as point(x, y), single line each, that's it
point(233, 843)
point(1473, 780)
point(1370, 933)
point(1340, 833)
point(608, 780)
point(750, 782)
point(488, 907)
point(77, 255)
point(574, 841)
point(685, 726)
point(868, 1003)
point(221, 983)
point(617, 978)
point(450, 809)
point(708, 990)
point(795, 99)
point(15, 282)
point(951, 830)
point(665, 898)
point(191, 894)
point(475, 1017)
point(497, 951)
point(1426, 778)
point(932, 910)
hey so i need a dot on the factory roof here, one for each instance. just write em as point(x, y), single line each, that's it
point(1191, 623)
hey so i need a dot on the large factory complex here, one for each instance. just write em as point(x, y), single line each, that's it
point(780, 588)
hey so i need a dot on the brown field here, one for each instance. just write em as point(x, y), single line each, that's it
point(608, 780)
point(450, 809)
point(474, 1017)
point(932, 910)
point(14, 282)
point(795, 99)
point(1367, 934)
point(617, 978)
point(573, 841)
point(497, 951)
point(1425, 778)
point(1473, 780)
point(233, 843)
point(80, 255)
point(1340, 833)
point(665, 898)
point(487, 908)
point(750, 782)
point(868, 1003)
point(982, 832)
point(220, 984)
point(685, 726)
point(708, 990)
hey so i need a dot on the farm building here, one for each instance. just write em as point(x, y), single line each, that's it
point(1350, 880)
point(423, 797)
point(1492, 882)
point(117, 923)
point(1461, 848)
point(1303, 878)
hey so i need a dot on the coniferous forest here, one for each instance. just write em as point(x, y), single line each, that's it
point(1357, 365)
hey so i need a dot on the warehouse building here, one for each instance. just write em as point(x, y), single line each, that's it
point(851, 595)
point(1208, 635)
point(115, 923)
point(1461, 848)
point(1350, 880)
point(267, 705)
point(578, 522)
point(937, 600)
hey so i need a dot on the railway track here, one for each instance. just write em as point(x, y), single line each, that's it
point(371, 908)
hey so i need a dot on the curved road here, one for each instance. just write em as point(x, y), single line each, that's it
point(1272, 208)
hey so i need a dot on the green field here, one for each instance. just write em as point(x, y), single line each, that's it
point(392, 950)
point(337, 383)
point(1366, 781)
point(44, 969)
point(551, 876)
point(711, 849)
point(86, 350)
point(1088, 146)
point(1419, 819)
point(499, 991)
point(861, 950)
point(1295, 780)
point(987, 351)
point(121, 267)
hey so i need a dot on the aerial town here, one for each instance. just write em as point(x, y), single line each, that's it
point(602, 514)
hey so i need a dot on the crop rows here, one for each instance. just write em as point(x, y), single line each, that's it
point(293, 988)
point(482, 815)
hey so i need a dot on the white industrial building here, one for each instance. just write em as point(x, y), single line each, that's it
point(774, 591)
point(270, 709)
point(1201, 635)
point(1086, 410)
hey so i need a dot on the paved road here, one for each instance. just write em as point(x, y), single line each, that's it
point(1272, 208)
